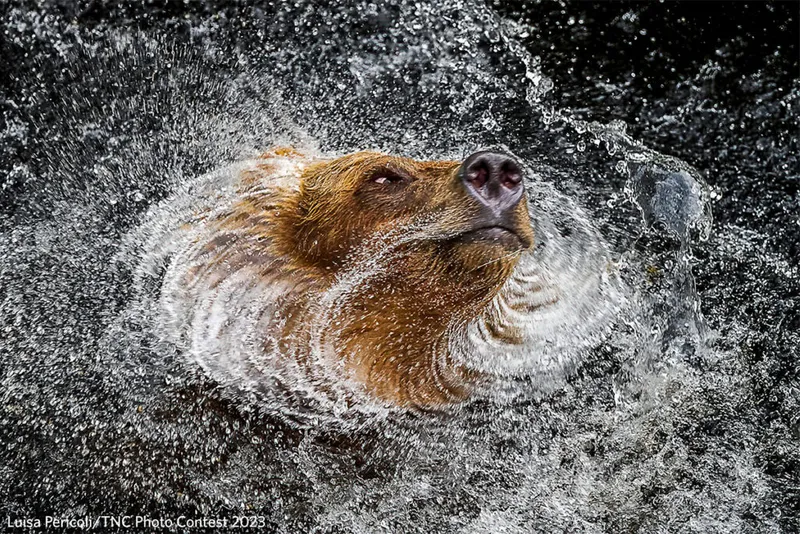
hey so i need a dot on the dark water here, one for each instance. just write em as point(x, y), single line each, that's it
point(643, 119)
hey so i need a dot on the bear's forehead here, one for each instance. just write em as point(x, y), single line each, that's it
point(367, 161)
point(345, 173)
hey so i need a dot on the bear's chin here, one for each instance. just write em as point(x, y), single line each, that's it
point(486, 248)
point(494, 237)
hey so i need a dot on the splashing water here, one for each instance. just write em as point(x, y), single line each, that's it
point(220, 320)
point(121, 394)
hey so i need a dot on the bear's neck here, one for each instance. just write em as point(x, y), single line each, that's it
point(394, 337)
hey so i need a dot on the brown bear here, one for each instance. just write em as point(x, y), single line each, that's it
point(361, 269)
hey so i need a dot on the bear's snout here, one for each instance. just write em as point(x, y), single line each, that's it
point(495, 180)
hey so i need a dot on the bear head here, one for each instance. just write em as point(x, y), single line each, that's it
point(455, 226)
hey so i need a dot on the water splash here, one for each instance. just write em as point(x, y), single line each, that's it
point(569, 281)
point(561, 300)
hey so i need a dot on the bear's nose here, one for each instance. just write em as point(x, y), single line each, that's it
point(493, 179)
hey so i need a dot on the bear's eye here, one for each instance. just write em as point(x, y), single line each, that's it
point(388, 178)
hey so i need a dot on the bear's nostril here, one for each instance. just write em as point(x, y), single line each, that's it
point(478, 174)
point(511, 176)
